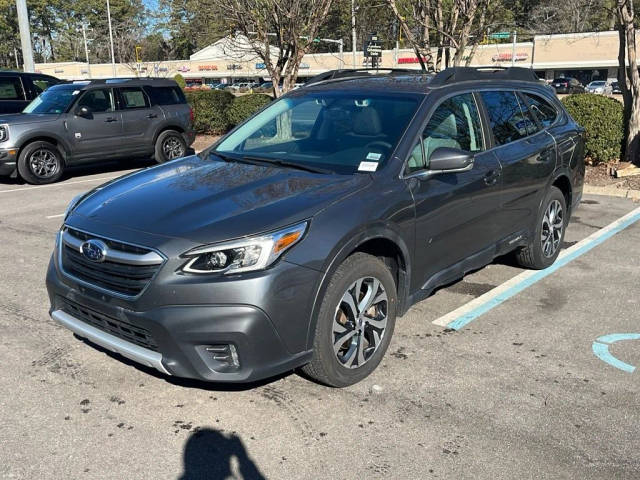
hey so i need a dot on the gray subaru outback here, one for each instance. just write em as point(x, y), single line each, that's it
point(81, 122)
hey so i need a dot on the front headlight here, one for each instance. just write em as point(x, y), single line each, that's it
point(4, 133)
point(245, 255)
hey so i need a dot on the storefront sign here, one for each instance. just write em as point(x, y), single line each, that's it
point(507, 57)
point(184, 68)
point(207, 67)
point(260, 66)
point(304, 66)
point(405, 60)
point(234, 66)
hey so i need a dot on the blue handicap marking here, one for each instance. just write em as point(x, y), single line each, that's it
point(601, 349)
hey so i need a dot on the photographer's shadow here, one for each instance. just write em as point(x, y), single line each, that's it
point(208, 454)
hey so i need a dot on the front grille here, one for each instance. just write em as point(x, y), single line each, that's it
point(124, 277)
point(126, 331)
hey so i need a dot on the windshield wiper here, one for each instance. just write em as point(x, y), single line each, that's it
point(285, 163)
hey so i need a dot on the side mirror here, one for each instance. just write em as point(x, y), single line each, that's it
point(84, 112)
point(450, 160)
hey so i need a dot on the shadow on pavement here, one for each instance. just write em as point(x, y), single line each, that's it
point(209, 454)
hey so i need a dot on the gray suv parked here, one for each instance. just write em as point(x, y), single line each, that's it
point(80, 122)
point(298, 238)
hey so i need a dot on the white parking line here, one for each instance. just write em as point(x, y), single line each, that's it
point(58, 184)
point(468, 312)
point(56, 216)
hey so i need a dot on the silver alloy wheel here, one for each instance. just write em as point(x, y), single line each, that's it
point(360, 322)
point(172, 148)
point(552, 226)
point(43, 163)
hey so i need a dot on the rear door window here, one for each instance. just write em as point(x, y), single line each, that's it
point(133, 97)
point(11, 88)
point(165, 95)
point(542, 109)
point(507, 120)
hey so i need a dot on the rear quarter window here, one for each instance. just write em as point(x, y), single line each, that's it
point(165, 95)
point(542, 109)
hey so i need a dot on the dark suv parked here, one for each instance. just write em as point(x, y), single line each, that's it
point(80, 122)
point(17, 89)
point(567, 85)
point(300, 237)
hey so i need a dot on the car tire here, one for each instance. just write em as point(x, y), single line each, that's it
point(40, 163)
point(551, 223)
point(169, 146)
point(349, 344)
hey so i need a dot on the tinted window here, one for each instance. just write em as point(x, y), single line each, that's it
point(507, 120)
point(165, 95)
point(11, 88)
point(546, 113)
point(455, 124)
point(133, 97)
point(97, 101)
point(530, 121)
point(41, 84)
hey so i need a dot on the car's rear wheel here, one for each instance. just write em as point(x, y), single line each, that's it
point(40, 163)
point(169, 146)
point(544, 247)
point(355, 322)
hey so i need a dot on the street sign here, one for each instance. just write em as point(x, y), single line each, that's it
point(500, 35)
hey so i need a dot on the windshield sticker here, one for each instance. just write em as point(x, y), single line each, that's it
point(374, 156)
point(368, 166)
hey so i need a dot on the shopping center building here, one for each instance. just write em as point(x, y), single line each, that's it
point(586, 56)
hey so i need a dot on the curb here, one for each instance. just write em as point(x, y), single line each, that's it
point(612, 191)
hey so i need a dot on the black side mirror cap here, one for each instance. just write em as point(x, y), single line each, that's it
point(446, 159)
point(84, 112)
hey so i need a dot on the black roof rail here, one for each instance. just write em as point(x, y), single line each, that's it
point(345, 73)
point(465, 74)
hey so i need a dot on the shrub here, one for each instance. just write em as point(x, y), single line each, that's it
point(244, 106)
point(180, 80)
point(602, 118)
point(210, 110)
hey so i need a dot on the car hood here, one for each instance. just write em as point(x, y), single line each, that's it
point(207, 201)
point(22, 118)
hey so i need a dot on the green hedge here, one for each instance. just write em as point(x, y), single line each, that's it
point(243, 107)
point(210, 108)
point(602, 118)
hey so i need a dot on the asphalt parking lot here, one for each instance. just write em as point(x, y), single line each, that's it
point(516, 393)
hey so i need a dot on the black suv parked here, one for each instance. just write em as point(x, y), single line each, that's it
point(17, 89)
point(567, 85)
point(73, 123)
point(300, 237)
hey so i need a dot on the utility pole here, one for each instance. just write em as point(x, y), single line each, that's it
point(25, 35)
point(513, 49)
point(353, 32)
point(113, 58)
point(86, 49)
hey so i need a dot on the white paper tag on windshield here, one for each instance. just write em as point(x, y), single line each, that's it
point(368, 166)
point(374, 156)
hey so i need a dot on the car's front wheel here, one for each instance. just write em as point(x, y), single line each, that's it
point(355, 322)
point(40, 163)
point(169, 146)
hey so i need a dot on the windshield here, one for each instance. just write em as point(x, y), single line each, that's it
point(53, 100)
point(337, 131)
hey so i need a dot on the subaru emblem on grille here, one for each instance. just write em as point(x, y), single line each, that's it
point(94, 250)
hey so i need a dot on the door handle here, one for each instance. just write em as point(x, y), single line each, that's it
point(491, 177)
point(110, 119)
point(152, 115)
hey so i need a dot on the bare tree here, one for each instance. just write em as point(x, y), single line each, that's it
point(280, 32)
point(629, 79)
point(447, 25)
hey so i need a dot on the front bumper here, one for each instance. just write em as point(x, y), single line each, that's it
point(270, 336)
point(8, 159)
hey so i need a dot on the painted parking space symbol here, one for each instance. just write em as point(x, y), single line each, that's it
point(601, 349)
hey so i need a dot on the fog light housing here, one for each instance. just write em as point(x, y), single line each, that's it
point(221, 357)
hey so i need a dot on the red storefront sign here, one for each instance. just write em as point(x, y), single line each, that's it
point(207, 67)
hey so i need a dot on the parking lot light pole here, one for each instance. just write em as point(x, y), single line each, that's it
point(113, 58)
point(25, 35)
